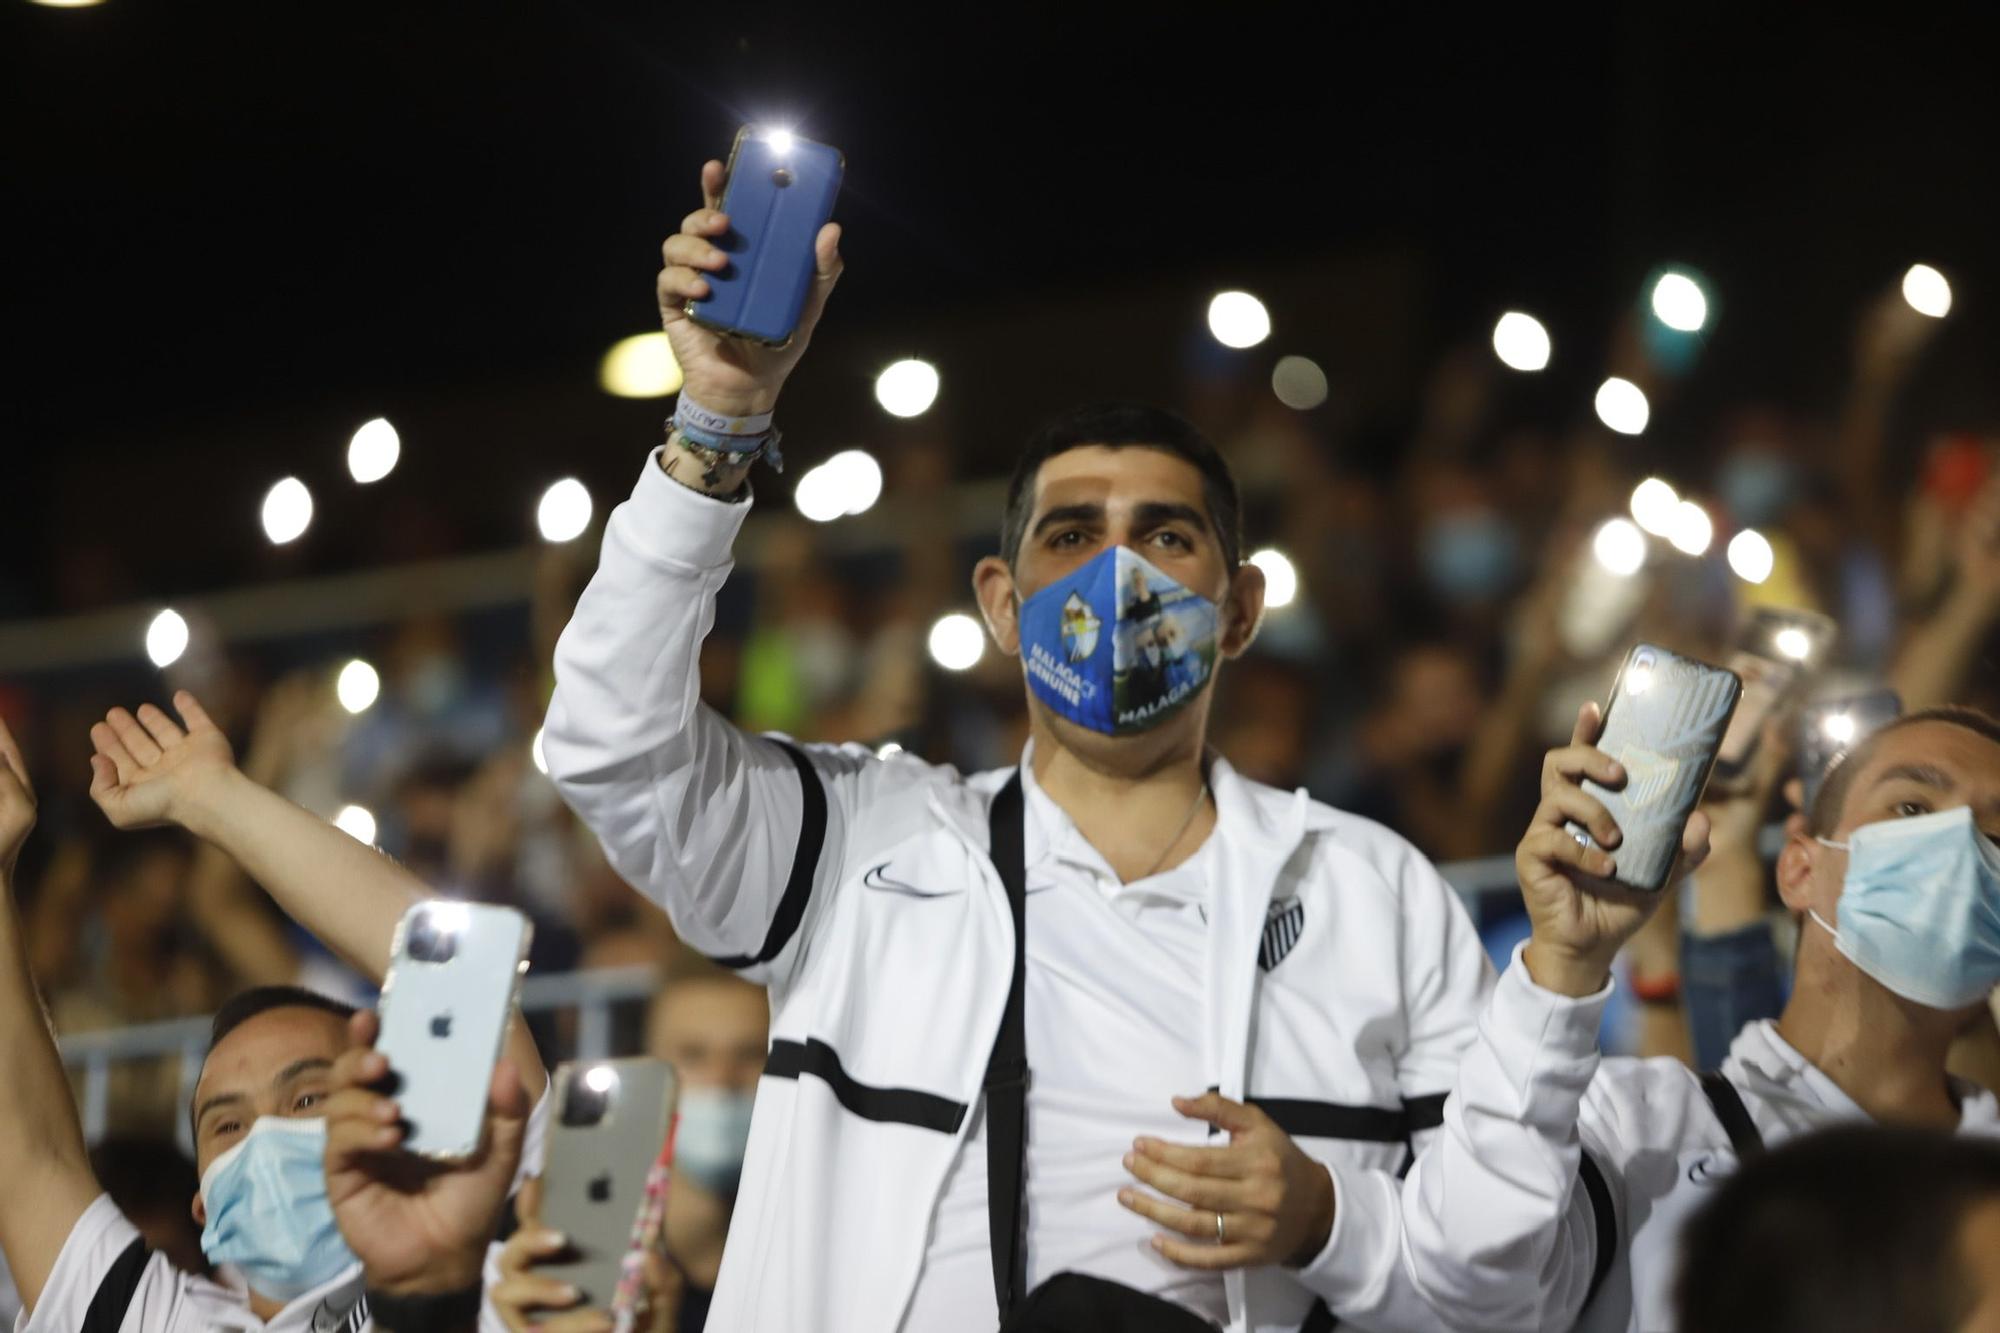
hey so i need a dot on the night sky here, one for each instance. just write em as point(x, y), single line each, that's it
point(238, 231)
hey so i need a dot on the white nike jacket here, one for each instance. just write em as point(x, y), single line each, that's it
point(884, 1004)
point(1629, 1149)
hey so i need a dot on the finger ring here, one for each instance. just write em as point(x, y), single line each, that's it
point(1218, 1229)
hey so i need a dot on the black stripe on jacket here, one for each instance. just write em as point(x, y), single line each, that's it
point(115, 1291)
point(805, 862)
point(896, 1106)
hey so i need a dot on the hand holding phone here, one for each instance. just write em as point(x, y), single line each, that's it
point(1776, 650)
point(611, 1124)
point(1664, 726)
point(739, 305)
point(454, 975)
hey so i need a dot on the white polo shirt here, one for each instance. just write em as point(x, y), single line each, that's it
point(1114, 1005)
point(107, 1281)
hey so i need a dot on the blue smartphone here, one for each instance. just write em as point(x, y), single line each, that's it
point(780, 192)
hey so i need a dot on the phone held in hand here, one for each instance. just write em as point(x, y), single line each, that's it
point(611, 1121)
point(1831, 727)
point(454, 975)
point(779, 194)
point(1664, 723)
point(1776, 650)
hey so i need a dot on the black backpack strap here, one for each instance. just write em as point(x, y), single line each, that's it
point(1007, 1068)
point(1734, 1115)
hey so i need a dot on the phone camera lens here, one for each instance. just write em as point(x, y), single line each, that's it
point(429, 944)
point(584, 1105)
point(781, 177)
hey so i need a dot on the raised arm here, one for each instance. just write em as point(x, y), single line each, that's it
point(149, 770)
point(726, 830)
point(42, 1157)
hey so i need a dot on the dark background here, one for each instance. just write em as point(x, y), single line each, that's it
point(238, 231)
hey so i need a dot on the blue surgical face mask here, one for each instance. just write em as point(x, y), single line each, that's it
point(1920, 907)
point(710, 1140)
point(268, 1215)
point(1115, 645)
point(1470, 556)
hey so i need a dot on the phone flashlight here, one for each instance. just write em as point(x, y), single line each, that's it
point(1639, 679)
point(780, 140)
point(1793, 642)
point(600, 1078)
point(1839, 727)
point(449, 918)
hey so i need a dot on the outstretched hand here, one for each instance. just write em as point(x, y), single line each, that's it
point(17, 803)
point(731, 375)
point(148, 770)
point(1579, 915)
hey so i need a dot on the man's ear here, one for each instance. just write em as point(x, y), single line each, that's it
point(993, 586)
point(200, 1211)
point(1795, 868)
point(1242, 611)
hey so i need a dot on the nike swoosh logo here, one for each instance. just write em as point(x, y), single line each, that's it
point(875, 879)
point(1703, 1172)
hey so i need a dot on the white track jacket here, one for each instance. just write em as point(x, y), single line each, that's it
point(1343, 977)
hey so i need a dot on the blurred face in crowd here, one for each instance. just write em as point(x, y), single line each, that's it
point(278, 1062)
point(1911, 771)
point(713, 1031)
point(146, 899)
point(1094, 497)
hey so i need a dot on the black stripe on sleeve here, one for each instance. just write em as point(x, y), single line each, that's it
point(900, 1106)
point(1607, 1225)
point(1320, 1319)
point(1425, 1112)
point(805, 862)
point(1330, 1120)
point(115, 1292)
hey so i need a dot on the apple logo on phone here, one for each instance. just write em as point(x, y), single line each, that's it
point(441, 1026)
point(600, 1188)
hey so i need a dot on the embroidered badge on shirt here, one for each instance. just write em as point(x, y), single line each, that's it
point(1287, 918)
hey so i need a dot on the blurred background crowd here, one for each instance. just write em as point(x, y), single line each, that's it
point(1500, 403)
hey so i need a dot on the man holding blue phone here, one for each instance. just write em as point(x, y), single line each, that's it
point(1115, 1031)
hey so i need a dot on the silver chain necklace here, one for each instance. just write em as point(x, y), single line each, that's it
point(1187, 822)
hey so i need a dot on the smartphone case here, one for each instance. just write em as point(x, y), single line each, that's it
point(594, 1176)
point(1818, 750)
point(777, 199)
point(443, 1021)
point(1664, 724)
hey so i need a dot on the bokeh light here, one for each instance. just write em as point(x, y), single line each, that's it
point(1653, 504)
point(1679, 302)
point(1299, 383)
point(907, 388)
point(1619, 546)
point(288, 511)
point(957, 641)
point(357, 686)
point(1750, 556)
point(1692, 529)
point(1521, 342)
point(641, 366)
point(1281, 577)
point(1238, 319)
point(564, 511)
point(166, 638)
point(1927, 291)
point(848, 483)
point(1622, 405)
point(373, 452)
point(357, 822)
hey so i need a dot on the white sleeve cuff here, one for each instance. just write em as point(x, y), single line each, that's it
point(1353, 1268)
point(1564, 1026)
point(667, 523)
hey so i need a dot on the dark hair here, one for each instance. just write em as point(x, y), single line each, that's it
point(1117, 426)
point(240, 1009)
point(144, 1175)
point(1855, 1228)
point(1831, 801)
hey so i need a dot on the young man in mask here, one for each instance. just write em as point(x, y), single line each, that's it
point(1897, 881)
point(257, 1110)
point(1223, 1010)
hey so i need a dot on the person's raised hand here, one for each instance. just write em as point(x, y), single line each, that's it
point(734, 376)
point(1579, 916)
point(1977, 553)
point(148, 770)
point(530, 1303)
point(1274, 1203)
point(418, 1227)
point(17, 803)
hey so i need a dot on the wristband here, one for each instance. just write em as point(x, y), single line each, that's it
point(727, 449)
point(431, 1312)
point(687, 412)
